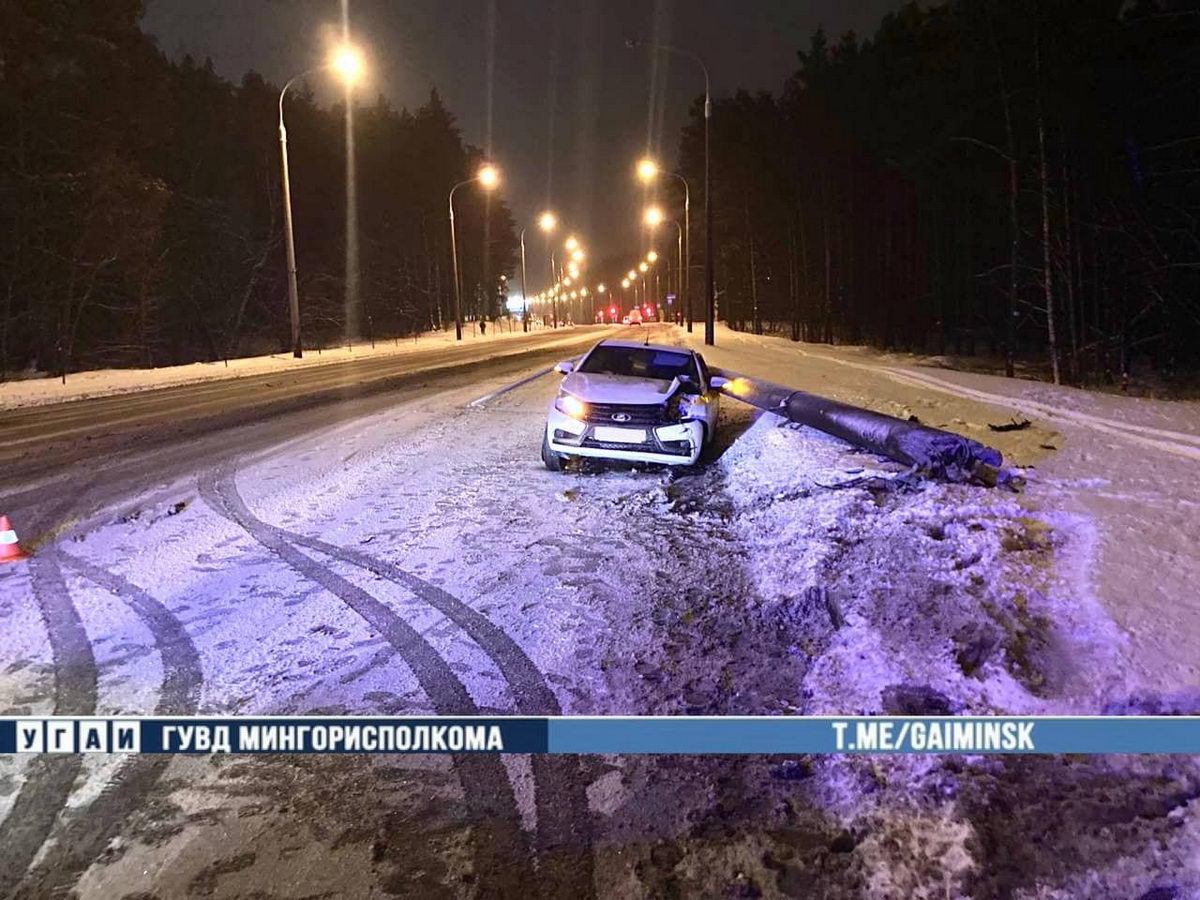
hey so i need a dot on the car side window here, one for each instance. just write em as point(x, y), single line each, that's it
point(703, 371)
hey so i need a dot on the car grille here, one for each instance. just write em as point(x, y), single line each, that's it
point(644, 447)
point(671, 448)
point(639, 414)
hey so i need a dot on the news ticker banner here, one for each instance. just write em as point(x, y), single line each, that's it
point(604, 734)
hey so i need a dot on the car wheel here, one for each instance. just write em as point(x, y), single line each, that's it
point(553, 461)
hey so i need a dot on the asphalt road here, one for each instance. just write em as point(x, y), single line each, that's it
point(118, 445)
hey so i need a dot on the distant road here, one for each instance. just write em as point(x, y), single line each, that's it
point(40, 437)
point(118, 446)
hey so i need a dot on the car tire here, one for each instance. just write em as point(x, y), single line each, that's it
point(553, 461)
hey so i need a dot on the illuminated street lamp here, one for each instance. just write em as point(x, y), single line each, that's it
point(625, 283)
point(709, 285)
point(546, 222)
point(654, 217)
point(632, 275)
point(347, 62)
point(648, 170)
point(642, 267)
point(652, 257)
point(571, 244)
point(577, 255)
point(488, 177)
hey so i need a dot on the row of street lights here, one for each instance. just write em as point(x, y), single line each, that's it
point(709, 281)
point(348, 63)
point(648, 171)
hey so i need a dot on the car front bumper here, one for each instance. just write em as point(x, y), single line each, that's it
point(677, 444)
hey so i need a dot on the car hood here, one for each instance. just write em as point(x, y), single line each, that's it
point(616, 388)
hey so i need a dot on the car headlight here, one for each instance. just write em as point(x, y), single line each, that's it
point(571, 406)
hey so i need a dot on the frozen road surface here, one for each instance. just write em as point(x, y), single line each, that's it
point(383, 539)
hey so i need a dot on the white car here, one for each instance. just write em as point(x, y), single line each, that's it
point(627, 400)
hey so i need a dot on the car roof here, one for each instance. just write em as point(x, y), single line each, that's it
point(638, 345)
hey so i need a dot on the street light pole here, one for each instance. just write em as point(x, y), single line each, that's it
point(489, 178)
point(685, 278)
point(709, 276)
point(524, 298)
point(454, 260)
point(289, 240)
point(554, 292)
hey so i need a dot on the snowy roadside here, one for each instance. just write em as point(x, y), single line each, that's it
point(107, 382)
point(951, 600)
point(1117, 474)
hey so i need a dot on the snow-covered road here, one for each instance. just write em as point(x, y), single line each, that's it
point(409, 554)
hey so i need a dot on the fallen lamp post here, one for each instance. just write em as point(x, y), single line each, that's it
point(928, 451)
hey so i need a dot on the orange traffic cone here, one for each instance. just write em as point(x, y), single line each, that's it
point(10, 550)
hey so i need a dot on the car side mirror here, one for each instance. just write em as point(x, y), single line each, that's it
point(717, 382)
point(566, 367)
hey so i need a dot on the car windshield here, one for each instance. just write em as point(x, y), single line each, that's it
point(638, 362)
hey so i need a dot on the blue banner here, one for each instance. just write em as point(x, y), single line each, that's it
point(604, 734)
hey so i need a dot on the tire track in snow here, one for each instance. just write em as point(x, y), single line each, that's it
point(563, 828)
point(86, 837)
point(502, 858)
point(50, 777)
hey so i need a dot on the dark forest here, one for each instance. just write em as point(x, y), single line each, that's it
point(1017, 179)
point(142, 223)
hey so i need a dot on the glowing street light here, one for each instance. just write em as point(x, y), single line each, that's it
point(642, 267)
point(632, 275)
point(625, 284)
point(571, 244)
point(488, 177)
point(600, 288)
point(652, 256)
point(654, 216)
point(547, 222)
point(348, 63)
point(648, 170)
point(710, 294)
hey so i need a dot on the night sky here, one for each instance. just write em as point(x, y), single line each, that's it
point(549, 87)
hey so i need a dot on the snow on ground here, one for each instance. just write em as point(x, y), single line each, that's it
point(758, 583)
point(1116, 477)
point(105, 382)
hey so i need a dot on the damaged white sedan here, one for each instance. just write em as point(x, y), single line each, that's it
point(634, 402)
